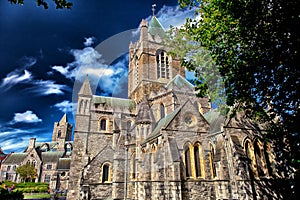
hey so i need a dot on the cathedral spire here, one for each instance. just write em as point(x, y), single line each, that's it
point(86, 87)
point(64, 119)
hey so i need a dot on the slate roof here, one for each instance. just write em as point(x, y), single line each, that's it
point(215, 119)
point(64, 119)
point(15, 158)
point(161, 124)
point(51, 157)
point(86, 87)
point(50, 144)
point(114, 102)
point(64, 164)
point(180, 82)
point(155, 28)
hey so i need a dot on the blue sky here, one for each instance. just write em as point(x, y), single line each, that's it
point(45, 54)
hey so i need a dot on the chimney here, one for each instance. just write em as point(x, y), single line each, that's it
point(31, 143)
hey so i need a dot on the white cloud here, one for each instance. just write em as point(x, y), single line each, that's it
point(61, 69)
point(26, 117)
point(16, 140)
point(11, 145)
point(89, 41)
point(174, 15)
point(14, 78)
point(48, 87)
point(87, 61)
point(64, 106)
point(110, 82)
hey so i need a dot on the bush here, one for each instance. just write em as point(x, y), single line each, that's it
point(12, 195)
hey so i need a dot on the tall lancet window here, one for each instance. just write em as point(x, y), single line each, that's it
point(187, 160)
point(163, 67)
point(197, 161)
point(162, 111)
point(106, 177)
point(136, 75)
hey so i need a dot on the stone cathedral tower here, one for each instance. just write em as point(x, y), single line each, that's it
point(162, 142)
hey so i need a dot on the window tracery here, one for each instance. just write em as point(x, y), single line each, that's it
point(163, 66)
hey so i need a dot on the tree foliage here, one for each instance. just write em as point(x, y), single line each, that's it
point(208, 81)
point(255, 44)
point(60, 4)
point(27, 172)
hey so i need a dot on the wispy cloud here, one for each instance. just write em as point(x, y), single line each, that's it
point(26, 117)
point(64, 106)
point(89, 41)
point(16, 139)
point(48, 87)
point(10, 145)
point(27, 62)
point(14, 78)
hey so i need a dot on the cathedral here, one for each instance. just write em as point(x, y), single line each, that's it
point(163, 142)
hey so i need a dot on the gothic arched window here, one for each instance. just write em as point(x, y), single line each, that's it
point(259, 159)
point(162, 111)
point(106, 173)
point(81, 106)
point(267, 157)
point(133, 166)
point(251, 159)
point(212, 164)
point(197, 161)
point(162, 62)
point(59, 134)
point(136, 75)
point(187, 159)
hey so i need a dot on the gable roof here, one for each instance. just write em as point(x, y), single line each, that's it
point(15, 158)
point(155, 28)
point(180, 82)
point(161, 124)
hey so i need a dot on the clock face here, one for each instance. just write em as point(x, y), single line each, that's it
point(190, 120)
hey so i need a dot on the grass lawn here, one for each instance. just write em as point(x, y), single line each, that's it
point(36, 196)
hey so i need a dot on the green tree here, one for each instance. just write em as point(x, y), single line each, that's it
point(208, 81)
point(255, 44)
point(60, 4)
point(27, 172)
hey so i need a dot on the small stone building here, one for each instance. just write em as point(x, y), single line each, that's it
point(51, 159)
point(163, 142)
